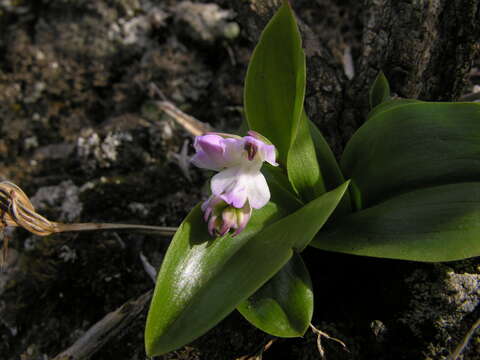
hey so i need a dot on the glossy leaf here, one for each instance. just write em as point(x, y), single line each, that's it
point(329, 168)
point(302, 165)
point(414, 145)
point(280, 188)
point(389, 105)
point(275, 82)
point(380, 90)
point(284, 305)
point(433, 224)
point(203, 279)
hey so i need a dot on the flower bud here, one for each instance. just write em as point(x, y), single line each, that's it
point(236, 219)
point(222, 217)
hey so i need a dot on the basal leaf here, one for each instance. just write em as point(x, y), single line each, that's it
point(329, 168)
point(284, 305)
point(203, 279)
point(280, 189)
point(275, 82)
point(389, 105)
point(434, 224)
point(302, 165)
point(380, 90)
point(414, 145)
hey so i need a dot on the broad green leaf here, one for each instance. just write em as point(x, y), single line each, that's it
point(302, 165)
point(331, 174)
point(414, 145)
point(380, 90)
point(284, 305)
point(330, 170)
point(389, 105)
point(203, 279)
point(275, 82)
point(280, 188)
point(440, 223)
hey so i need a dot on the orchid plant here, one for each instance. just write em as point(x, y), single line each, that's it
point(413, 194)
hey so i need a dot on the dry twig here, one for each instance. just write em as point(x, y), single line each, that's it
point(189, 123)
point(259, 354)
point(104, 330)
point(16, 209)
point(468, 336)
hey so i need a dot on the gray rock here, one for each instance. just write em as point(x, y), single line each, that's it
point(62, 199)
point(441, 301)
point(205, 22)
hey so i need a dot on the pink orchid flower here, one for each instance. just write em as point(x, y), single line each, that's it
point(239, 185)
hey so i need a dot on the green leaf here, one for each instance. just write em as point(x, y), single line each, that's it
point(280, 188)
point(389, 105)
point(330, 170)
point(275, 82)
point(203, 279)
point(380, 90)
point(440, 223)
point(414, 145)
point(302, 165)
point(284, 305)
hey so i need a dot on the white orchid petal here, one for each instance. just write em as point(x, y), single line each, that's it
point(258, 192)
point(230, 185)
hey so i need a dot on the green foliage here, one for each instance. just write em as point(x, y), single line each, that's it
point(205, 279)
point(412, 165)
point(380, 91)
point(331, 173)
point(388, 105)
point(275, 82)
point(302, 165)
point(284, 305)
point(274, 95)
point(413, 145)
point(438, 223)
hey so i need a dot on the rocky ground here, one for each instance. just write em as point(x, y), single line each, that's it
point(82, 133)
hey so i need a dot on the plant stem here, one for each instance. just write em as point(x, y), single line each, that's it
point(162, 230)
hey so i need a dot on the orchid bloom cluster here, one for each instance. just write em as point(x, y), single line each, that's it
point(239, 185)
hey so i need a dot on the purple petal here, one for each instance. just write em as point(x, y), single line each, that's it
point(204, 161)
point(212, 225)
point(269, 154)
point(210, 149)
point(236, 198)
point(215, 152)
point(229, 185)
point(233, 151)
point(265, 152)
